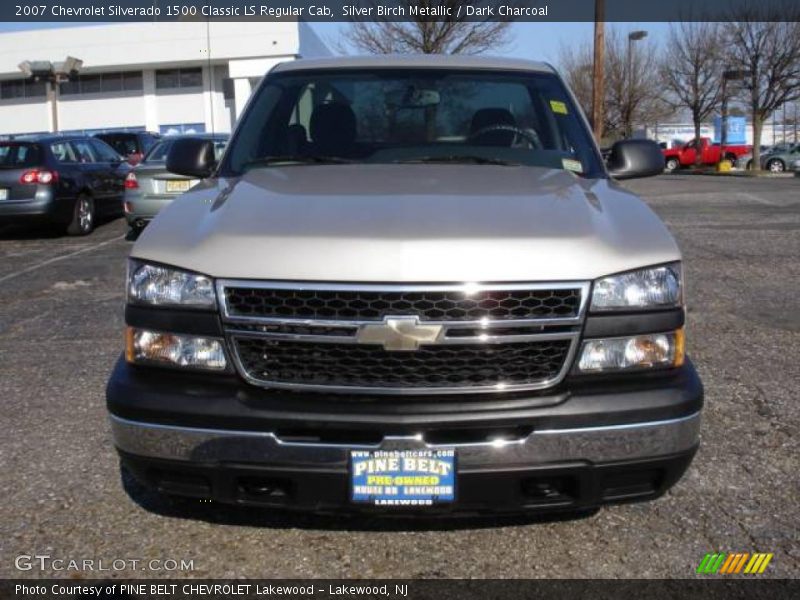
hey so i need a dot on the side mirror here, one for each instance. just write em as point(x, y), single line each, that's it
point(630, 159)
point(193, 157)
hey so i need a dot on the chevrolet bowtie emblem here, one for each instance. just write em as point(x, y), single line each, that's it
point(399, 333)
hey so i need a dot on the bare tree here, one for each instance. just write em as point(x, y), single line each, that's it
point(691, 70)
point(575, 62)
point(632, 85)
point(420, 35)
point(767, 47)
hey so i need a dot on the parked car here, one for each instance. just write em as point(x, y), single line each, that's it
point(780, 159)
point(68, 181)
point(412, 284)
point(745, 161)
point(133, 145)
point(710, 154)
point(783, 155)
point(149, 187)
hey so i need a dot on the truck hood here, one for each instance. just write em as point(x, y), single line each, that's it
point(407, 223)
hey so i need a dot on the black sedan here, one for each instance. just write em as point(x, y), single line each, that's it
point(65, 180)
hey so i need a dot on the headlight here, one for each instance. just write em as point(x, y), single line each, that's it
point(171, 350)
point(656, 287)
point(637, 352)
point(163, 286)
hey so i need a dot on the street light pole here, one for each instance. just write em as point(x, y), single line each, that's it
point(723, 134)
point(52, 98)
point(598, 83)
point(633, 36)
point(52, 74)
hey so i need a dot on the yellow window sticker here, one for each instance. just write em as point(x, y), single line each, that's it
point(558, 107)
point(572, 165)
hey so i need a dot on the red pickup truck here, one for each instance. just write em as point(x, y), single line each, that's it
point(686, 156)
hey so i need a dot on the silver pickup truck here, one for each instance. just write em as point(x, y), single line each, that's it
point(411, 284)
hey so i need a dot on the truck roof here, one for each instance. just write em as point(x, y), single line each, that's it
point(423, 61)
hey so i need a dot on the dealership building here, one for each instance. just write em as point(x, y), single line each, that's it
point(169, 77)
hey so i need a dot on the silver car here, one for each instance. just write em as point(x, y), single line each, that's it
point(150, 187)
point(745, 161)
point(410, 284)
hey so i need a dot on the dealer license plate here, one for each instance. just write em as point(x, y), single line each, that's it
point(3, 194)
point(178, 185)
point(403, 477)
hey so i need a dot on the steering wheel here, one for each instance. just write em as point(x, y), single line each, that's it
point(530, 136)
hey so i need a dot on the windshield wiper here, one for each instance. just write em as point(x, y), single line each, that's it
point(460, 158)
point(299, 159)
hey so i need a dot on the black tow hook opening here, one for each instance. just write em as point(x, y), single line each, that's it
point(556, 490)
point(260, 488)
point(182, 484)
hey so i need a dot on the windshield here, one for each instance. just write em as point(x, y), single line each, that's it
point(125, 145)
point(158, 153)
point(15, 155)
point(413, 116)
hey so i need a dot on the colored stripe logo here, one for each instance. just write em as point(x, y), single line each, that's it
point(734, 563)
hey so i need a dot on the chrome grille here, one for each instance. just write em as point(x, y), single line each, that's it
point(465, 338)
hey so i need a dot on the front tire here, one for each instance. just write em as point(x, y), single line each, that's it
point(83, 216)
point(672, 164)
point(776, 166)
point(133, 233)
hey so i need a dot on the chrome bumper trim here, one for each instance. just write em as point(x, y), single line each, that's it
point(589, 444)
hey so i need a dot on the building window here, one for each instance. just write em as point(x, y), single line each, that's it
point(168, 79)
point(12, 89)
point(22, 88)
point(191, 78)
point(91, 84)
point(129, 81)
point(91, 132)
point(182, 128)
point(132, 81)
point(35, 89)
point(112, 82)
point(69, 87)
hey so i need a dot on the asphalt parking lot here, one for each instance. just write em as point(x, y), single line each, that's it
point(61, 320)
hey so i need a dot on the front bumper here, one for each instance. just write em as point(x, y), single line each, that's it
point(595, 443)
point(586, 444)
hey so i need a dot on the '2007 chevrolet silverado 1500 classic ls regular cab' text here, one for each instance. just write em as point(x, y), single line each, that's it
point(409, 284)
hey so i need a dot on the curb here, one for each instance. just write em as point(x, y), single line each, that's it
point(748, 174)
